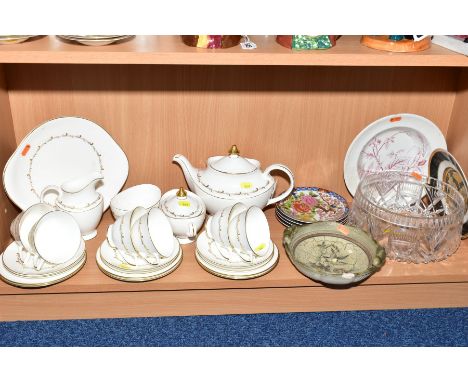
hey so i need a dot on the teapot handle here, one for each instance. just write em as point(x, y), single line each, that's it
point(46, 189)
point(290, 175)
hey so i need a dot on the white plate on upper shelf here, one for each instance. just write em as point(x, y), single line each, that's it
point(60, 150)
point(400, 142)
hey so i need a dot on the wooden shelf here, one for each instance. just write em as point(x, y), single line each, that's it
point(171, 50)
point(190, 277)
point(198, 103)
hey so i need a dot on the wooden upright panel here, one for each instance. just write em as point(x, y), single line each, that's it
point(304, 117)
point(457, 138)
point(7, 146)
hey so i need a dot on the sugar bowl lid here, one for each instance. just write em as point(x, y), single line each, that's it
point(233, 163)
point(182, 204)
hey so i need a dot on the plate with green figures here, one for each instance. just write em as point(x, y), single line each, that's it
point(333, 253)
point(312, 204)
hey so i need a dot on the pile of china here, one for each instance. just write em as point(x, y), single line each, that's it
point(140, 245)
point(48, 248)
point(236, 243)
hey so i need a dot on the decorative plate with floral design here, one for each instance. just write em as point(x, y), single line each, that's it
point(312, 204)
point(401, 142)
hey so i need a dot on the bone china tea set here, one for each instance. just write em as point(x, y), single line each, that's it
point(411, 205)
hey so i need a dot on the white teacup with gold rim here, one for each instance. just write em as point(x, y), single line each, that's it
point(119, 235)
point(253, 231)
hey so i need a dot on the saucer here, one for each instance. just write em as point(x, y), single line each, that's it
point(239, 269)
point(26, 281)
point(12, 261)
point(239, 274)
point(112, 258)
point(135, 273)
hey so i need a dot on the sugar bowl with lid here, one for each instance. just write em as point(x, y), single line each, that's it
point(186, 213)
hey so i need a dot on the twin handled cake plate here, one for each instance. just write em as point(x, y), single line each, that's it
point(61, 150)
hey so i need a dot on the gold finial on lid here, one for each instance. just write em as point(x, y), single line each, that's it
point(234, 150)
point(181, 193)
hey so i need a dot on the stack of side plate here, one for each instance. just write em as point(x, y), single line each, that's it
point(210, 258)
point(111, 263)
point(15, 272)
point(14, 39)
point(95, 40)
point(307, 205)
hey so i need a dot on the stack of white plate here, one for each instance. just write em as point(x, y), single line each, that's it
point(140, 246)
point(94, 40)
point(14, 39)
point(19, 268)
point(214, 258)
point(113, 264)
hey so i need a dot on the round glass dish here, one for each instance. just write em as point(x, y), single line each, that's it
point(417, 219)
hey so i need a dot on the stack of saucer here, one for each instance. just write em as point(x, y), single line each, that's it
point(14, 39)
point(140, 246)
point(236, 244)
point(307, 205)
point(94, 40)
point(48, 248)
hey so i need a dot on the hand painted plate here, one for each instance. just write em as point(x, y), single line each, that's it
point(401, 142)
point(312, 204)
point(60, 150)
point(443, 166)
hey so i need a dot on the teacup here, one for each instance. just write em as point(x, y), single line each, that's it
point(143, 195)
point(160, 232)
point(252, 232)
point(23, 223)
point(120, 233)
point(218, 225)
point(56, 237)
point(142, 240)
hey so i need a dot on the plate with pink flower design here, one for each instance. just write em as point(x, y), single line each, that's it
point(400, 142)
point(312, 204)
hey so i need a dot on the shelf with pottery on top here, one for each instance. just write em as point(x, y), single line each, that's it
point(187, 279)
point(171, 50)
point(277, 107)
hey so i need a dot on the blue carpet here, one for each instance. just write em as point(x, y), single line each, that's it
point(424, 327)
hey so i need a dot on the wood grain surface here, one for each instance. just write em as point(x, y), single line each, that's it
point(302, 117)
point(7, 145)
point(457, 137)
point(171, 50)
point(229, 301)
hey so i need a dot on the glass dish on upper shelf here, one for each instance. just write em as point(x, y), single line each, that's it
point(417, 219)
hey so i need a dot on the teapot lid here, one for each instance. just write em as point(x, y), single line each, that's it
point(181, 204)
point(233, 163)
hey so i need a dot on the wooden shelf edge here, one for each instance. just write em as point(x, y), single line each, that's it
point(169, 50)
point(237, 301)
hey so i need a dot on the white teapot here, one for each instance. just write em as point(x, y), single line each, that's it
point(231, 179)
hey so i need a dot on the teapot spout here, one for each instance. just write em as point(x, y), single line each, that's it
point(189, 171)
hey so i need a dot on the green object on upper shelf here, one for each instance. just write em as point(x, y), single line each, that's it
point(305, 42)
point(396, 37)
